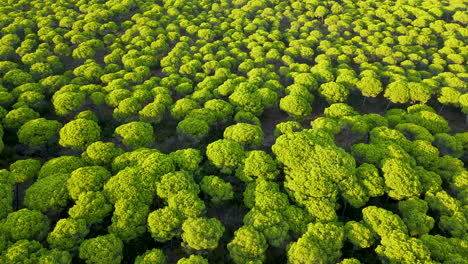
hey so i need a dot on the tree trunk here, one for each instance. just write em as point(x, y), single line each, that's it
point(442, 108)
point(364, 101)
point(345, 205)
point(388, 105)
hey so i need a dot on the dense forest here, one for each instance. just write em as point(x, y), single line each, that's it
point(233, 131)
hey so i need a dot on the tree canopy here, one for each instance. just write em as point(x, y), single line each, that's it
point(243, 131)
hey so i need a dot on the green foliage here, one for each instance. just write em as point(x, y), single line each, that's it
point(259, 165)
point(387, 136)
point(48, 194)
point(68, 234)
point(464, 103)
point(328, 124)
point(217, 189)
point(136, 134)
point(339, 110)
point(194, 128)
point(248, 135)
point(398, 92)
point(307, 80)
point(247, 245)
point(449, 96)
point(369, 86)
point(414, 132)
point(383, 222)
point(334, 92)
point(193, 259)
point(414, 215)
point(131, 158)
point(128, 184)
point(66, 102)
point(152, 113)
point(187, 203)
point(321, 243)
point(225, 154)
point(370, 178)
point(38, 132)
point(399, 248)
point(419, 92)
point(23, 251)
point(17, 77)
point(6, 200)
point(359, 234)
point(301, 91)
point(182, 107)
point(156, 165)
point(395, 116)
point(100, 153)
point(164, 224)
point(79, 133)
point(287, 127)
point(175, 182)
point(309, 155)
point(86, 179)
point(442, 203)
point(129, 219)
point(297, 219)
point(247, 98)
point(107, 249)
point(429, 120)
point(444, 249)
point(201, 233)
point(187, 159)
point(83, 52)
point(91, 206)
point(152, 256)
point(270, 223)
point(62, 164)
point(247, 117)
point(25, 224)
point(18, 117)
point(296, 106)
point(350, 261)
point(222, 109)
point(268, 196)
point(448, 145)
point(98, 99)
point(401, 179)
point(25, 170)
point(54, 256)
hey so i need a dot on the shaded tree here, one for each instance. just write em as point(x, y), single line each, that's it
point(248, 245)
point(105, 249)
point(79, 133)
point(152, 256)
point(136, 134)
point(321, 243)
point(248, 135)
point(68, 234)
point(201, 233)
point(48, 194)
point(225, 154)
point(217, 189)
point(90, 206)
point(164, 224)
point(26, 224)
point(129, 219)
